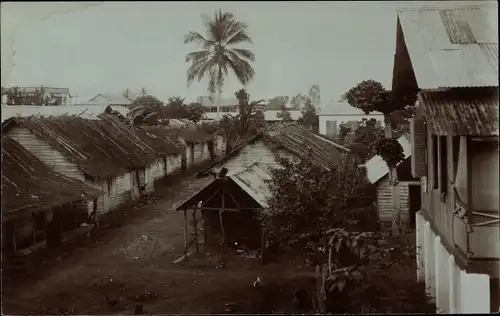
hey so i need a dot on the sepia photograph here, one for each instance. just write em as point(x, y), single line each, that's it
point(245, 157)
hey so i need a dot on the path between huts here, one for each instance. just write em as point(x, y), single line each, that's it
point(132, 262)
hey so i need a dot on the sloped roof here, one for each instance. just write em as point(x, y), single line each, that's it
point(343, 108)
point(253, 180)
point(376, 168)
point(471, 111)
point(101, 148)
point(30, 185)
point(452, 47)
point(86, 111)
point(112, 98)
point(298, 141)
point(190, 134)
point(159, 139)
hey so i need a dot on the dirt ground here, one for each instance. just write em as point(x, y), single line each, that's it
point(132, 262)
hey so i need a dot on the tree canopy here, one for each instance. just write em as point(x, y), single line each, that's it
point(219, 53)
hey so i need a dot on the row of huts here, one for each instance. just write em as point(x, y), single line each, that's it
point(59, 174)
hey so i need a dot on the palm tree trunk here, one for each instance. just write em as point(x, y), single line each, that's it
point(218, 97)
point(393, 179)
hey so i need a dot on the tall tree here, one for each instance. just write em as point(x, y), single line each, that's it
point(127, 93)
point(219, 54)
point(369, 96)
point(309, 116)
point(277, 103)
point(143, 92)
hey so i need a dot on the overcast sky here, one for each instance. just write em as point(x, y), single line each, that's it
point(107, 47)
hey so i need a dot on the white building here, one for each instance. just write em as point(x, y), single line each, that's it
point(454, 151)
point(336, 113)
point(109, 99)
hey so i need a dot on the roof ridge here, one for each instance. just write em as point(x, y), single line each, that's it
point(468, 7)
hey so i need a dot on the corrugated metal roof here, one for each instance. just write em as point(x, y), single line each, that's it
point(253, 180)
point(455, 47)
point(467, 113)
point(376, 168)
point(86, 111)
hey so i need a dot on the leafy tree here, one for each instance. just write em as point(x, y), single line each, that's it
point(145, 110)
point(344, 130)
point(194, 111)
point(315, 96)
point(370, 96)
point(298, 101)
point(284, 115)
point(146, 101)
point(127, 94)
point(362, 140)
point(277, 103)
point(219, 54)
point(329, 216)
point(249, 121)
point(309, 116)
point(143, 92)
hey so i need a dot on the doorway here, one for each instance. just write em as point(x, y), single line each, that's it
point(415, 202)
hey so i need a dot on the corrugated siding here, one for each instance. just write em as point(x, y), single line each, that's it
point(174, 164)
point(384, 201)
point(43, 151)
point(120, 190)
point(418, 157)
point(154, 172)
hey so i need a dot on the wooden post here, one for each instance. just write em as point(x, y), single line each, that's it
point(262, 246)
point(185, 235)
point(223, 232)
point(195, 225)
point(14, 244)
point(34, 227)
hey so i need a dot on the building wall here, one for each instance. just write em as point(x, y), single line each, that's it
point(453, 289)
point(198, 153)
point(43, 151)
point(154, 172)
point(220, 145)
point(384, 201)
point(205, 153)
point(120, 190)
point(174, 164)
point(252, 153)
point(339, 119)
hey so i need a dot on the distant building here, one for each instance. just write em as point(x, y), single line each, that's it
point(336, 113)
point(49, 95)
point(109, 99)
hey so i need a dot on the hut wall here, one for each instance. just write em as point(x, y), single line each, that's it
point(154, 172)
point(198, 153)
point(174, 164)
point(220, 145)
point(43, 151)
point(120, 190)
point(384, 201)
point(252, 153)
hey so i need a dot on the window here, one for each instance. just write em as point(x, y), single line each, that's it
point(435, 162)
point(443, 162)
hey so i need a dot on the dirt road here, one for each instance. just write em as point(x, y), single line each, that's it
point(132, 263)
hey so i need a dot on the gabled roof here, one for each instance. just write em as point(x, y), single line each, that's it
point(296, 140)
point(160, 139)
point(100, 148)
point(452, 47)
point(376, 168)
point(30, 185)
point(112, 98)
point(252, 180)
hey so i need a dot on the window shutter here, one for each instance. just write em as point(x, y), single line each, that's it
point(331, 128)
point(418, 146)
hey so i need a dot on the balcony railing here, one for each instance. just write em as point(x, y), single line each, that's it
point(475, 236)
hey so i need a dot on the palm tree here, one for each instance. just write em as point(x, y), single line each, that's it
point(219, 54)
point(127, 94)
point(143, 92)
